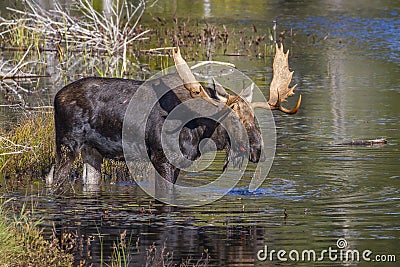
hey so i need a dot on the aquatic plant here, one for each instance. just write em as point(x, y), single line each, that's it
point(121, 255)
point(159, 256)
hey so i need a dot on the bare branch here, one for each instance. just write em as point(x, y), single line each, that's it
point(109, 32)
point(13, 148)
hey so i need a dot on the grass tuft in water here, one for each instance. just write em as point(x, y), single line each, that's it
point(161, 257)
point(121, 255)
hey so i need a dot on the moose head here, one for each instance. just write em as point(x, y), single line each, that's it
point(241, 104)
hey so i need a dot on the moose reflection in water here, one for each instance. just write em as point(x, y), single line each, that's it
point(89, 116)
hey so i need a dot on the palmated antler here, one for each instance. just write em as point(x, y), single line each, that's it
point(195, 88)
point(279, 89)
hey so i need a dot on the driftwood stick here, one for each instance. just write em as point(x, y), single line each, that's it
point(378, 141)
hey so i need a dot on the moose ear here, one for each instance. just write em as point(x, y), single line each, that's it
point(247, 93)
point(220, 92)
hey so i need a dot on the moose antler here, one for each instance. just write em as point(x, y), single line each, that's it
point(189, 81)
point(223, 95)
point(279, 89)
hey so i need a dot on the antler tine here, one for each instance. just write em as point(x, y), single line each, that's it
point(189, 81)
point(279, 88)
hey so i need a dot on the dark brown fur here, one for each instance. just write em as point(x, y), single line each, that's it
point(89, 116)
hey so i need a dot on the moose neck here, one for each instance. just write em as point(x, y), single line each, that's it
point(220, 137)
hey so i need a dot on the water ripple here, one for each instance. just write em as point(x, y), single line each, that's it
point(377, 35)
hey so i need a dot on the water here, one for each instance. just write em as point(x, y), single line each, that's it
point(346, 61)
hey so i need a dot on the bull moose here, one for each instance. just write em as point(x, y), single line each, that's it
point(89, 115)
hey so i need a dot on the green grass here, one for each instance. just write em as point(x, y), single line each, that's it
point(27, 151)
point(22, 242)
point(27, 154)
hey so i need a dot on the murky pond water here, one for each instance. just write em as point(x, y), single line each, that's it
point(347, 65)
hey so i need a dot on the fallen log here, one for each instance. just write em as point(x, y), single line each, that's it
point(371, 142)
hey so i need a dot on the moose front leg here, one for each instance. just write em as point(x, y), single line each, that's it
point(60, 171)
point(167, 171)
point(165, 177)
point(163, 167)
